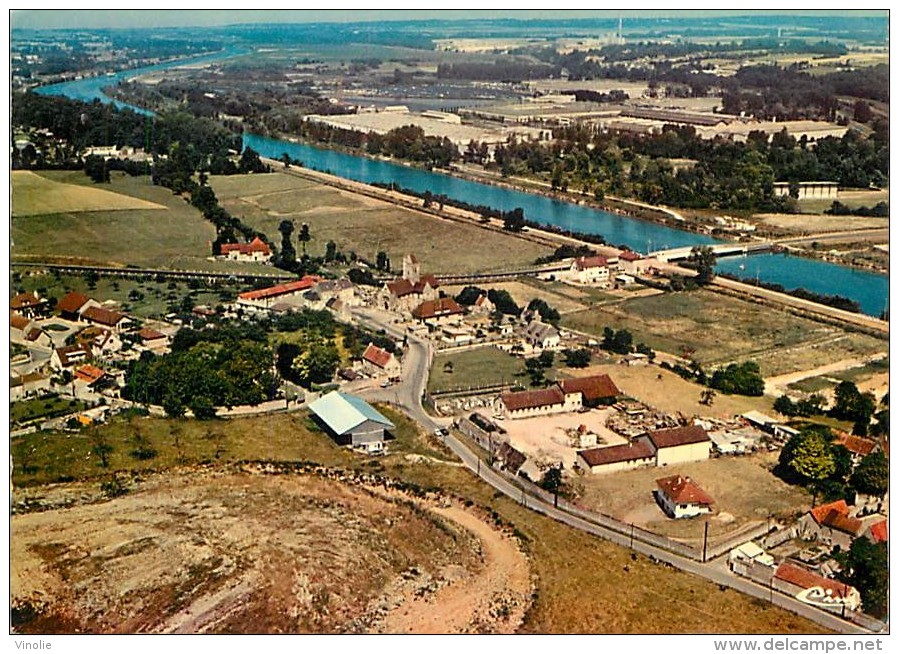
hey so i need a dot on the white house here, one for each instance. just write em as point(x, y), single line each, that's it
point(680, 497)
point(66, 357)
point(264, 299)
point(255, 250)
point(593, 271)
point(540, 335)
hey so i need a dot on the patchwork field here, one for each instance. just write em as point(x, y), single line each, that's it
point(719, 329)
point(743, 488)
point(35, 195)
point(172, 235)
point(805, 223)
point(366, 226)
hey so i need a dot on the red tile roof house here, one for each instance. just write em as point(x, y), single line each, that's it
point(437, 311)
point(681, 497)
point(90, 375)
point(878, 532)
point(566, 396)
point(680, 445)
point(830, 523)
point(402, 295)
point(265, 298)
point(153, 340)
point(255, 250)
point(859, 447)
point(29, 305)
point(72, 304)
point(113, 320)
point(378, 361)
point(19, 326)
point(101, 340)
point(639, 453)
point(811, 588)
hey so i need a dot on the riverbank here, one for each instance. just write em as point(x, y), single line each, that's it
point(861, 322)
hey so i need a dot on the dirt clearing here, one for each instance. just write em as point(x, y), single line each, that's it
point(230, 552)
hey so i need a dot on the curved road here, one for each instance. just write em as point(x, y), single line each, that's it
point(407, 395)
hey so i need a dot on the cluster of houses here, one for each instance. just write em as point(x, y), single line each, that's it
point(606, 271)
point(80, 339)
point(311, 291)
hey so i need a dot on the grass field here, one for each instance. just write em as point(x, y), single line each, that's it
point(366, 226)
point(35, 195)
point(574, 572)
point(47, 407)
point(742, 487)
point(720, 329)
point(479, 367)
point(672, 394)
point(147, 237)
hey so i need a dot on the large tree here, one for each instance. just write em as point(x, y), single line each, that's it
point(808, 456)
point(867, 568)
point(288, 251)
point(872, 475)
point(703, 259)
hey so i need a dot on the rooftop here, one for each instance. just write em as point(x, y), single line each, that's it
point(376, 355)
point(595, 387)
point(103, 316)
point(445, 306)
point(342, 412)
point(533, 399)
point(803, 578)
point(678, 436)
point(683, 490)
point(256, 245)
point(639, 448)
point(71, 302)
point(280, 289)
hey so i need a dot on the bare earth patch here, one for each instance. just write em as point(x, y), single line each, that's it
point(229, 552)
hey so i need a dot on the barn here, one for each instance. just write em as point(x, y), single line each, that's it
point(352, 421)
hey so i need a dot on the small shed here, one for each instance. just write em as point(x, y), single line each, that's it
point(352, 421)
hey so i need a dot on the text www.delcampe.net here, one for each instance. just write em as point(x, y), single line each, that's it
point(798, 645)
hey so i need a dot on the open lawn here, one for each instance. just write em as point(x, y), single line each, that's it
point(45, 407)
point(483, 366)
point(720, 329)
point(574, 572)
point(743, 488)
point(670, 393)
point(35, 195)
point(366, 226)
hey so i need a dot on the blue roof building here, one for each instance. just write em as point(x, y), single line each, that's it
point(352, 421)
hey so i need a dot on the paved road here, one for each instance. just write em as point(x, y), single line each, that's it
point(407, 395)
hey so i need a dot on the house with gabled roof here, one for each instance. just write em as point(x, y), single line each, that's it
point(405, 293)
point(437, 311)
point(90, 375)
point(592, 271)
point(352, 421)
point(255, 250)
point(830, 523)
point(859, 447)
point(878, 531)
point(24, 386)
point(681, 444)
point(378, 361)
point(541, 402)
point(30, 305)
point(541, 335)
point(482, 306)
point(112, 320)
point(102, 341)
point(681, 497)
point(64, 358)
point(72, 304)
point(153, 340)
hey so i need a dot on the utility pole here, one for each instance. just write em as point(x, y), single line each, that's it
point(705, 541)
point(632, 535)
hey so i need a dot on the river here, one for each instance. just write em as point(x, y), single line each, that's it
point(869, 289)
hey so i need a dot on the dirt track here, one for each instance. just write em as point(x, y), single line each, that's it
point(236, 552)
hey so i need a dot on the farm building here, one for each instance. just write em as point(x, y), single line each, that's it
point(681, 497)
point(594, 271)
point(808, 190)
point(639, 453)
point(107, 318)
point(352, 421)
point(680, 445)
point(830, 523)
point(595, 389)
point(436, 311)
point(266, 298)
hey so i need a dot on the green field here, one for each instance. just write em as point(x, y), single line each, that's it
point(483, 366)
point(720, 329)
point(366, 226)
point(173, 236)
point(37, 195)
point(45, 407)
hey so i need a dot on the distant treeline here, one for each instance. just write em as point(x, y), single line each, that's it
point(835, 301)
point(498, 71)
point(879, 210)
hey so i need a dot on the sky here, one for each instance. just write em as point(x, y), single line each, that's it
point(114, 17)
